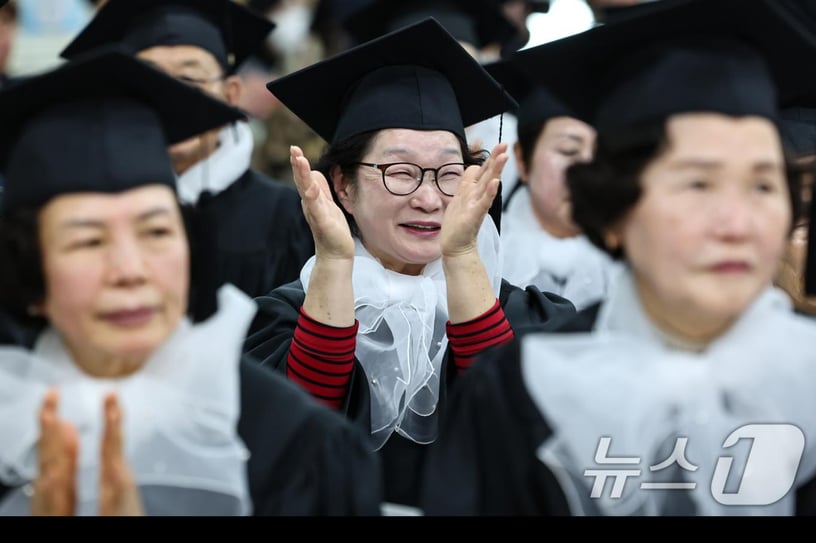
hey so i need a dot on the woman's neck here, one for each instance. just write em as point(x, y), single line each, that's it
point(555, 227)
point(683, 329)
point(106, 367)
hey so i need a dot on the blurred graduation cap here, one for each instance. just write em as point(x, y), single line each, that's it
point(229, 31)
point(418, 77)
point(477, 22)
point(101, 123)
point(536, 103)
point(680, 55)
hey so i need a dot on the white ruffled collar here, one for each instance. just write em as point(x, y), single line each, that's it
point(622, 381)
point(180, 416)
point(222, 168)
point(570, 267)
point(401, 340)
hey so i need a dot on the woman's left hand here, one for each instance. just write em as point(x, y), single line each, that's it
point(465, 213)
point(118, 493)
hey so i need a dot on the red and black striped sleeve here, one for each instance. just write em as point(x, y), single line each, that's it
point(469, 339)
point(321, 359)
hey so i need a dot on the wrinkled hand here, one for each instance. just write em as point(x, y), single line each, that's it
point(467, 210)
point(55, 486)
point(330, 229)
point(118, 493)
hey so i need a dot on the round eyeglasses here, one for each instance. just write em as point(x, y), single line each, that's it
point(404, 178)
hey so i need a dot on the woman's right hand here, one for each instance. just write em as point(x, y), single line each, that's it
point(330, 229)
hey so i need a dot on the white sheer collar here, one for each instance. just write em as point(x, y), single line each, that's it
point(220, 170)
point(401, 340)
point(180, 416)
point(570, 267)
point(621, 381)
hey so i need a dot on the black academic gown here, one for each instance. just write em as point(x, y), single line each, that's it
point(272, 331)
point(304, 458)
point(263, 238)
point(485, 462)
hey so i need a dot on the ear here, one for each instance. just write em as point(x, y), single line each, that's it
point(521, 166)
point(612, 238)
point(233, 89)
point(342, 188)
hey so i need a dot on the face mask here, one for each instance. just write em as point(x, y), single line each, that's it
point(292, 29)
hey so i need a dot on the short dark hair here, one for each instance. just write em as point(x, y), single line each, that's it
point(528, 137)
point(21, 274)
point(23, 280)
point(605, 189)
point(347, 153)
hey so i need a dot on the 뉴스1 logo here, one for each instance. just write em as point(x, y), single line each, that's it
point(763, 458)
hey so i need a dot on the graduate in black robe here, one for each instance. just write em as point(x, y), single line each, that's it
point(203, 430)
point(262, 239)
point(391, 377)
point(645, 393)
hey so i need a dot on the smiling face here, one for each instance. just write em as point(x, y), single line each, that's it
point(710, 227)
point(563, 141)
point(116, 270)
point(401, 231)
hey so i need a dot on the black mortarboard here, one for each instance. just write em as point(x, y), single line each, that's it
point(228, 30)
point(536, 103)
point(418, 78)
point(477, 22)
point(689, 55)
point(101, 123)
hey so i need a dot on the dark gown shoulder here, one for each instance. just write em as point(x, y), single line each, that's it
point(305, 459)
point(484, 461)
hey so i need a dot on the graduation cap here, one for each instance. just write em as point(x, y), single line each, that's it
point(536, 104)
point(229, 31)
point(477, 22)
point(683, 55)
point(100, 123)
point(418, 77)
